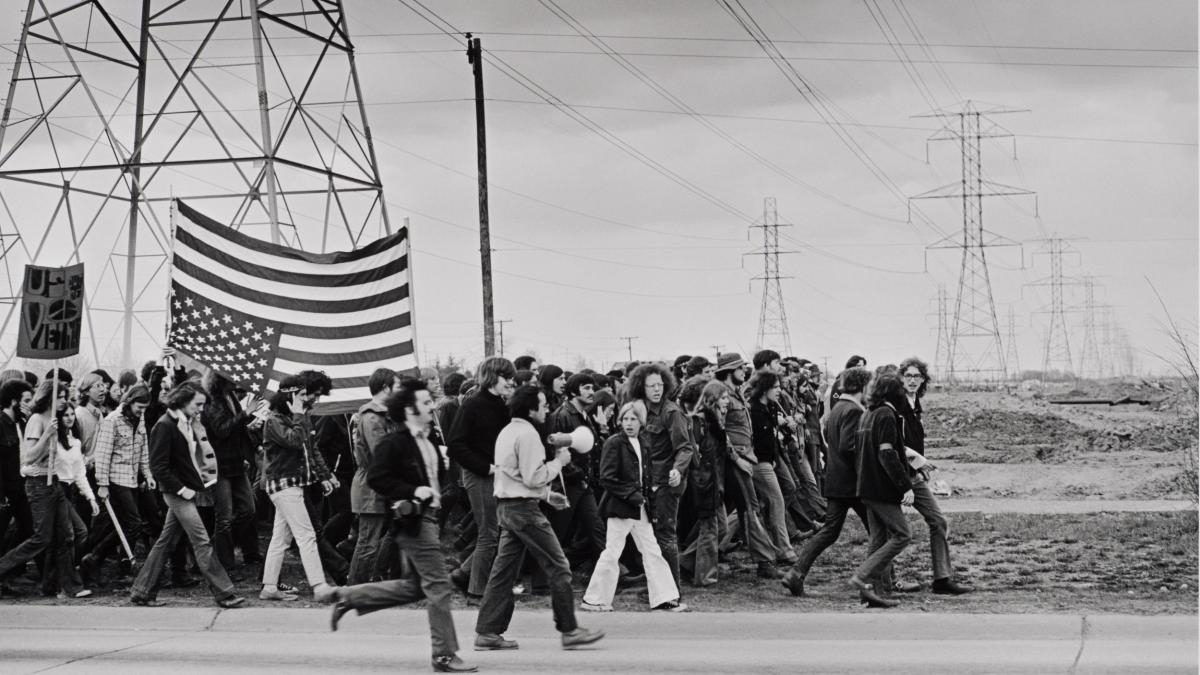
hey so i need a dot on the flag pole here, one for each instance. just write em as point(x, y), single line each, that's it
point(412, 303)
point(170, 266)
point(50, 469)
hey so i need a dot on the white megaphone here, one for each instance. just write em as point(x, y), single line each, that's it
point(582, 440)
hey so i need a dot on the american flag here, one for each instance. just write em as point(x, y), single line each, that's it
point(258, 312)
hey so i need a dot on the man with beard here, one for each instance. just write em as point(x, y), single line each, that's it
point(407, 469)
point(579, 523)
point(731, 370)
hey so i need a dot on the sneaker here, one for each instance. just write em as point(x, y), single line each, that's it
point(277, 595)
point(581, 637)
point(81, 593)
point(488, 642)
point(673, 606)
point(589, 607)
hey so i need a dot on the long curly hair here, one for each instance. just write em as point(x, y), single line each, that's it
point(637, 380)
point(887, 387)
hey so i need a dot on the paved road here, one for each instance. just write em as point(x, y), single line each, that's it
point(965, 504)
point(98, 640)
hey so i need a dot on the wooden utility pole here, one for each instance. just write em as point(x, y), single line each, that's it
point(475, 58)
point(629, 345)
point(501, 323)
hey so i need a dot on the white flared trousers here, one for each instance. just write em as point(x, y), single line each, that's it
point(659, 580)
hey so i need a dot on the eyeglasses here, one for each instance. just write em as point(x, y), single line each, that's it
point(912, 376)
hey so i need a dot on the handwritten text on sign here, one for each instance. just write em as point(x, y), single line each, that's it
point(51, 312)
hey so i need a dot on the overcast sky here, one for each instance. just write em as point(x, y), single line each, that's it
point(593, 244)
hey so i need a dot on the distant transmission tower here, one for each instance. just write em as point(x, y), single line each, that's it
point(773, 330)
point(1057, 353)
point(940, 364)
point(1107, 352)
point(250, 111)
point(1090, 363)
point(1012, 359)
point(975, 350)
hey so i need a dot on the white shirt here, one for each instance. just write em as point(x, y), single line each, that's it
point(69, 466)
point(428, 453)
point(637, 450)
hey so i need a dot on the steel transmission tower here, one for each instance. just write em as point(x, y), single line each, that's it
point(975, 349)
point(773, 330)
point(1090, 364)
point(1057, 353)
point(940, 364)
point(250, 111)
point(1012, 358)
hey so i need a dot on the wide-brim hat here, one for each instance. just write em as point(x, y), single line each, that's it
point(729, 361)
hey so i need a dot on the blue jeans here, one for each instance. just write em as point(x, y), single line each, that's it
point(939, 530)
point(835, 518)
point(523, 527)
point(51, 532)
point(182, 519)
point(774, 518)
point(666, 524)
point(372, 527)
point(234, 520)
point(480, 491)
point(890, 534)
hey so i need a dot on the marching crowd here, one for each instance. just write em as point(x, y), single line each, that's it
point(507, 482)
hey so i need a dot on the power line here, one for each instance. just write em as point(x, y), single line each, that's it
point(686, 109)
point(697, 38)
point(541, 92)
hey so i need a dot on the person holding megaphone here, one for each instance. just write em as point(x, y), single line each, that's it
point(625, 475)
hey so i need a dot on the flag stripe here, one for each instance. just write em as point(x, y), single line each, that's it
point(251, 286)
point(288, 264)
point(364, 330)
point(261, 304)
point(296, 319)
point(194, 247)
point(343, 344)
point(332, 358)
point(337, 371)
point(340, 384)
point(244, 240)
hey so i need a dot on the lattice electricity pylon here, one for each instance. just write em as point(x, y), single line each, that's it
point(1057, 353)
point(773, 332)
point(975, 349)
point(250, 111)
point(1091, 363)
point(941, 369)
point(1012, 357)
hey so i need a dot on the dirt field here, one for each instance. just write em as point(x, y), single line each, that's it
point(1021, 445)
